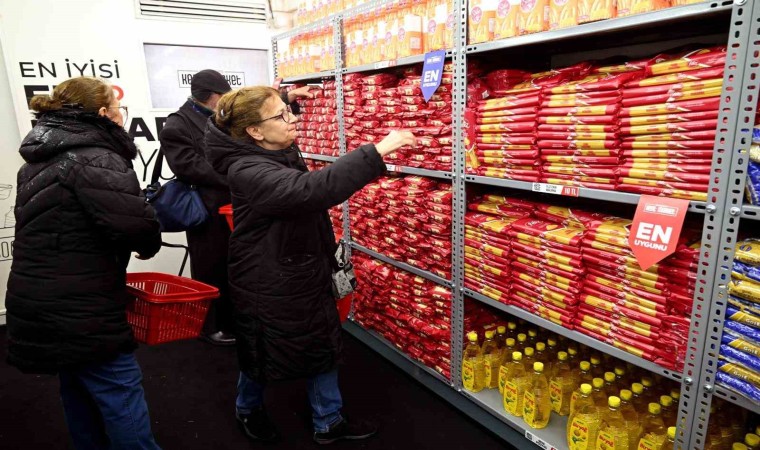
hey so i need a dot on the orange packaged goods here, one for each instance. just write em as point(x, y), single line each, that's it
point(410, 32)
point(593, 10)
point(563, 14)
point(507, 19)
point(630, 7)
point(166, 307)
point(482, 21)
point(534, 16)
point(435, 28)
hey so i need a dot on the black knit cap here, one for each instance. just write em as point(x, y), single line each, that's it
point(207, 82)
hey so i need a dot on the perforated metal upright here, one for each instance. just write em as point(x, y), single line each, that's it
point(274, 56)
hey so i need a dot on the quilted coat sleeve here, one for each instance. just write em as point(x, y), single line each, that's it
point(109, 191)
point(274, 190)
point(186, 163)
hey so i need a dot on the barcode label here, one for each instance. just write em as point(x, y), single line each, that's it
point(556, 189)
point(538, 441)
point(384, 64)
point(391, 167)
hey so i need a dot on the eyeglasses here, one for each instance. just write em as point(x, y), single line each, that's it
point(124, 111)
point(285, 115)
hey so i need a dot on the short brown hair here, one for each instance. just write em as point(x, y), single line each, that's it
point(88, 93)
point(237, 110)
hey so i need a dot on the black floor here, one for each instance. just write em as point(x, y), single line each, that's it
point(190, 388)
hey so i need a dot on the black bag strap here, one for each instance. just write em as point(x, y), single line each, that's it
point(159, 165)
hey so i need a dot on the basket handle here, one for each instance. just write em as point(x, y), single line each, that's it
point(184, 259)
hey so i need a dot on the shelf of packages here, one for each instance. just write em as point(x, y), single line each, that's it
point(310, 76)
point(554, 436)
point(435, 382)
point(316, 157)
point(596, 194)
point(574, 335)
point(751, 212)
point(737, 399)
point(659, 20)
point(409, 60)
point(403, 266)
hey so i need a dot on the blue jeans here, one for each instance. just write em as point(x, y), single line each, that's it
point(324, 396)
point(105, 407)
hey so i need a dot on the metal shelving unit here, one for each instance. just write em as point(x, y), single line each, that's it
point(310, 76)
point(316, 157)
point(722, 212)
point(574, 335)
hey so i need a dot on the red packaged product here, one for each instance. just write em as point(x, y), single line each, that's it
point(680, 77)
point(571, 152)
point(506, 119)
point(505, 139)
point(502, 104)
point(708, 104)
point(610, 119)
point(601, 172)
point(610, 100)
point(603, 110)
point(578, 145)
point(672, 88)
point(581, 161)
point(505, 147)
point(667, 145)
point(528, 155)
point(698, 59)
point(698, 178)
point(598, 82)
point(671, 98)
point(593, 136)
point(529, 111)
point(673, 154)
point(695, 125)
point(704, 135)
point(577, 128)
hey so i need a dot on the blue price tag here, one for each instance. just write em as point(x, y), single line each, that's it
point(432, 72)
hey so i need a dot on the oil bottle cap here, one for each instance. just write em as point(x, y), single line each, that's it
point(654, 408)
point(522, 337)
point(538, 366)
point(595, 360)
point(511, 342)
point(752, 440)
point(551, 342)
point(562, 356)
point(675, 393)
point(609, 377)
point(516, 356)
point(666, 400)
point(619, 371)
point(637, 388)
point(540, 346)
point(528, 351)
point(472, 336)
point(512, 326)
point(739, 446)
point(626, 395)
point(489, 334)
point(572, 351)
point(501, 329)
point(672, 433)
point(585, 366)
point(614, 402)
point(647, 382)
point(597, 383)
point(586, 389)
point(532, 333)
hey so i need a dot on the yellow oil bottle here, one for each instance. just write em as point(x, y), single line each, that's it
point(621, 376)
point(512, 330)
point(613, 432)
point(669, 413)
point(654, 433)
point(522, 341)
point(532, 337)
point(752, 441)
point(537, 403)
point(529, 357)
point(600, 398)
point(514, 386)
point(584, 376)
point(491, 360)
point(629, 413)
point(561, 385)
point(738, 446)
point(572, 356)
point(501, 338)
point(583, 424)
point(542, 355)
point(473, 367)
point(596, 366)
point(638, 398)
point(610, 387)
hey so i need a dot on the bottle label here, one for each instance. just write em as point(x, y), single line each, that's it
point(488, 372)
point(555, 392)
point(511, 398)
point(578, 438)
point(648, 444)
point(605, 441)
point(468, 375)
point(502, 378)
point(573, 399)
point(529, 408)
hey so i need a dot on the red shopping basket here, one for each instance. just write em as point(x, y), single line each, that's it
point(167, 307)
point(226, 211)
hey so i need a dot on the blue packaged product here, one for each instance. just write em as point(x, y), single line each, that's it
point(743, 271)
point(739, 386)
point(743, 331)
point(753, 183)
point(739, 357)
point(740, 372)
point(742, 315)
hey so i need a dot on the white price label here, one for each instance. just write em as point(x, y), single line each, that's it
point(307, 155)
point(538, 441)
point(556, 189)
point(385, 64)
point(391, 167)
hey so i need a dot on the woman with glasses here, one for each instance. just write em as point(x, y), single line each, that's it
point(79, 214)
point(280, 256)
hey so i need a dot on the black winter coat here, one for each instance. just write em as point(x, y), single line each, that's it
point(79, 213)
point(280, 253)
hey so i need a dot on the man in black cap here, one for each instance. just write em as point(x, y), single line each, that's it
point(182, 145)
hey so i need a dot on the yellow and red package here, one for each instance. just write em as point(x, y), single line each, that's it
point(679, 77)
point(593, 10)
point(534, 16)
point(609, 119)
point(507, 20)
point(631, 7)
point(663, 192)
point(713, 92)
point(674, 88)
point(667, 145)
point(687, 106)
point(698, 59)
point(683, 177)
point(563, 14)
point(482, 21)
point(696, 125)
point(579, 144)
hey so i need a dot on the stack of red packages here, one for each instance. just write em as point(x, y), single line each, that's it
point(411, 312)
point(317, 124)
point(336, 212)
point(362, 106)
point(579, 134)
point(407, 219)
point(668, 125)
point(487, 244)
point(547, 269)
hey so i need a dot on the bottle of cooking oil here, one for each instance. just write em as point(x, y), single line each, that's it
point(584, 376)
point(596, 366)
point(638, 398)
point(714, 440)
point(529, 357)
point(610, 387)
point(613, 432)
point(572, 356)
point(649, 395)
point(653, 432)
point(512, 330)
point(597, 386)
point(507, 363)
point(514, 385)
point(676, 394)
point(542, 356)
point(621, 376)
point(561, 385)
point(739, 446)
point(752, 441)
point(510, 345)
point(669, 413)
point(552, 350)
point(532, 337)
point(583, 424)
point(537, 403)
point(491, 360)
point(670, 442)
point(501, 337)
point(522, 341)
point(473, 367)
point(629, 413)
point(725, 420)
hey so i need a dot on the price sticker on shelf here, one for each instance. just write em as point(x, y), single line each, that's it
point(391, 167)
point(384, 64)
point(556, 189)
point(538, 441)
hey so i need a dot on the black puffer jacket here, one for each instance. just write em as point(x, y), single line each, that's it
point(280, 251)
point(79, 214)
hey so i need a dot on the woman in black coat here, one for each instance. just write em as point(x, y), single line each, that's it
point(79, 214)
point(280, 269)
